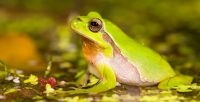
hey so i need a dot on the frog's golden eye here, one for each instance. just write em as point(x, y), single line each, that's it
point(95, 25)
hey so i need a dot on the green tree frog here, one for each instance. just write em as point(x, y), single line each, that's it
point(115, 57)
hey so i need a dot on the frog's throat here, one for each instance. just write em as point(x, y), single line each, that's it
point(90, 49)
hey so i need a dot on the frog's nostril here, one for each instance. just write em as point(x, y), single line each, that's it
point(79, 19)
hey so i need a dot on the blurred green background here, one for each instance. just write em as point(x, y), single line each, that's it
point(170, 27)
point(34, 32)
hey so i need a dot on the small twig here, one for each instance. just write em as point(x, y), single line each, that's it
point(48, 70)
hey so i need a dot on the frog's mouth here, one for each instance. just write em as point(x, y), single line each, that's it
point(90, 42)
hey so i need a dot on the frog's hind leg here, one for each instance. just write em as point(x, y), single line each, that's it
point(175, 81)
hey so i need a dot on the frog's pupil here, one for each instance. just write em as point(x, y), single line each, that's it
point(94, 24)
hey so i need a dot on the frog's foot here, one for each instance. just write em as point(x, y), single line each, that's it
point(107, 82)
point(175, 81)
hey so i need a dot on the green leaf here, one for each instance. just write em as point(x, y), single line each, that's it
point(32, 80)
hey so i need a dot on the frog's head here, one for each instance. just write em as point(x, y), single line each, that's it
point(90, 27)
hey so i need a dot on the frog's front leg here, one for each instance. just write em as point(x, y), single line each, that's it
point(107, 81)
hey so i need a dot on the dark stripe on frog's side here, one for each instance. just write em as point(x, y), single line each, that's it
point(107, 38)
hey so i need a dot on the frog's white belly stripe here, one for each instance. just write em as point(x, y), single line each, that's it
point(125, 72)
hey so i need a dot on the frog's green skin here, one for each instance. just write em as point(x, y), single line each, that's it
point(115, 57)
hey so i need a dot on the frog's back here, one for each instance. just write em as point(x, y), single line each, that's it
point(151, 66)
